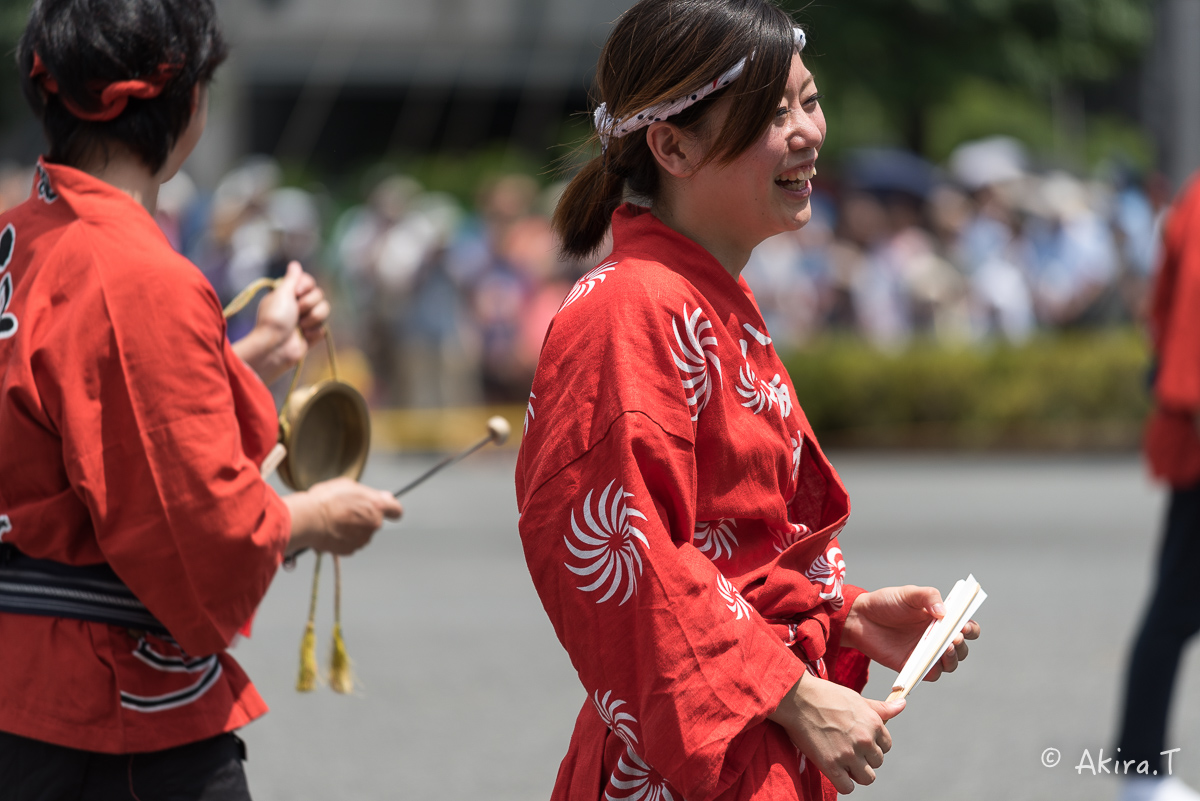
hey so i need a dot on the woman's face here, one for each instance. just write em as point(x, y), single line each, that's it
point(765, 190)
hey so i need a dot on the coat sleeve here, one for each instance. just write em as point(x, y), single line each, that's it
point(152, 446)
point(1175, 309)
point(677, 663)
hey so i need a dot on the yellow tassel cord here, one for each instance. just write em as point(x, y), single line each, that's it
point(307, 681)
point(341, 673)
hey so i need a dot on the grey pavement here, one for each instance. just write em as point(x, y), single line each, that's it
point(466, 694)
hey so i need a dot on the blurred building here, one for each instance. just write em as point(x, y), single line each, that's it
point(1171, 87)
point(337, 83)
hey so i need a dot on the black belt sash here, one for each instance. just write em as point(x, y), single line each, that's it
point(31, 586)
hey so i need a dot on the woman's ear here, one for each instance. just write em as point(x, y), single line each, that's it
point(675, 151)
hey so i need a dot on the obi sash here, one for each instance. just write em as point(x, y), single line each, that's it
point(94, 593)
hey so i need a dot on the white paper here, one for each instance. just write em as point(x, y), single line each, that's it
point(961, 603)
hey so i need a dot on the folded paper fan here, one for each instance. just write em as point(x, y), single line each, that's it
point(962, 602)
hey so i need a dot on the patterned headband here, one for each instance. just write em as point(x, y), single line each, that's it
point(610, 128)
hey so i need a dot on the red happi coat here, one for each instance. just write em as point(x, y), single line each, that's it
point(1172, 439)
point(130, 433)
point(680, 523)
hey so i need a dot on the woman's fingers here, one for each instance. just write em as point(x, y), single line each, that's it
point(313, 306)
point(391, 507)
point(304, 281)
point(840, 779)
point(839, 731)
point(949, 660)
point(863, 774)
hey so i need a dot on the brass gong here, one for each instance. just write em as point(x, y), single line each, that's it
point(325, 428)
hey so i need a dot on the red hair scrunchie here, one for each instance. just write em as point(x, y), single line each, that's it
point(114, 97)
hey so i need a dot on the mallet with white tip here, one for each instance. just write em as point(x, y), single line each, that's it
point(498, 431)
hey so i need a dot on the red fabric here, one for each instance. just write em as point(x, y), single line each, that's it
point(680, 524)
point(114, 97)
point(1172, 443)
point(130, 433)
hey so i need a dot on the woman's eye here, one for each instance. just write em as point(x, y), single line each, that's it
point(782, 111)
point(812, 101)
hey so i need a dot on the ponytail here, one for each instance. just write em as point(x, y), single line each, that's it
point(585, 211)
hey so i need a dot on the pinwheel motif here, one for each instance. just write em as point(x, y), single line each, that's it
point(733, 599)
point(783, 395)
point(621, 723)
point(529, 415)
point(797, 449)
point(758, 394)
point(608, 549)
point(829, 570)
point(788, 535)
point(696, 353)
point(715, 538)
point(584, 286)
point(634, 780)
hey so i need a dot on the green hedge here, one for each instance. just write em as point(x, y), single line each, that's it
point(1060, 392)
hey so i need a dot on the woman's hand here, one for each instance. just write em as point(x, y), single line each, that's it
point(338, 516)
point(841, 732)
point(887, 624)
point(289, 320)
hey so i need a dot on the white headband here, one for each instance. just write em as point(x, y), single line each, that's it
point(609, 129)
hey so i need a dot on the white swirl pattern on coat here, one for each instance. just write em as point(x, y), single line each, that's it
point(829, 570)
point(697, 352)
point(797, 450)
point(715, 538)
point(621, 723)
point(788, 535)
point(529, 415)
point(609, 547)
point(733, 599)
point(758, 394)
point(584, 286)
point(634, 780)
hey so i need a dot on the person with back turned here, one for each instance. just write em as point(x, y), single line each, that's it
point(137, 534)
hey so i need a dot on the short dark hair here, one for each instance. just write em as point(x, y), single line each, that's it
point(660, 50)
point(86, 45)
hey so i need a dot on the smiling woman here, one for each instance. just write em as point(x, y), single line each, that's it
point(701, 54)
point(679, 519)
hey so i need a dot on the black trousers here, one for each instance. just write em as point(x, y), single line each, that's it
point(1172, 619)
point(209, 770)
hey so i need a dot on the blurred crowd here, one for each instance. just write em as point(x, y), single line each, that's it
point(435, 305)
point(441, 305)
point(985, 248)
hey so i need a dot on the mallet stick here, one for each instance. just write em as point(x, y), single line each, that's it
point(498, 431)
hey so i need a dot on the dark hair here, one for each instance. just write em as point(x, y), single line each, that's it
point(86, 45)
point(658, 51)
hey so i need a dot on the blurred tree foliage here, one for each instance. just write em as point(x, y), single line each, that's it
point(13, 15)
point(906, 57)
point(1067, 390)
